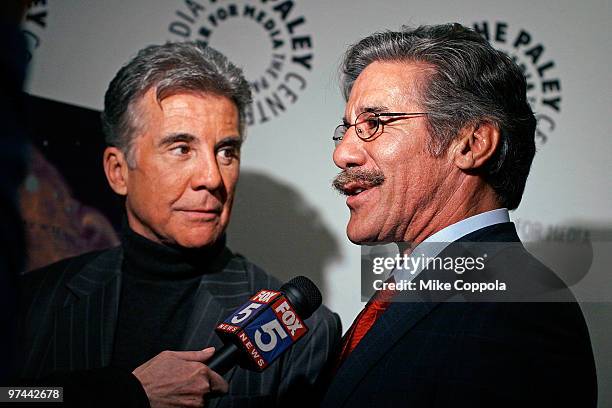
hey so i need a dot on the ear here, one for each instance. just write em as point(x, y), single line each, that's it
point(116, 170)
point(475, 146)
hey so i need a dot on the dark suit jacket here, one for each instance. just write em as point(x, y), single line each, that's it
point(474, 354)
point(70, 312)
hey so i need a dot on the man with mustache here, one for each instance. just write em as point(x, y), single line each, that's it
point(435, 146)
point(134, 325)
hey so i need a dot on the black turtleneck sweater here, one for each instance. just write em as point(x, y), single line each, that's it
point(158, 288)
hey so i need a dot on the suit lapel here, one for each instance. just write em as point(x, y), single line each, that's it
point(397, 320)
point(85, 327)
point(219, 293)
point(200, 328)
point(207, 312)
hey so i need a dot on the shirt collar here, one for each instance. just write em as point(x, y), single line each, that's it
point(464, 227)
point(436, 243)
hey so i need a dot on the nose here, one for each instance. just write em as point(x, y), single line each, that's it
point(350, 152)
point(206, 173)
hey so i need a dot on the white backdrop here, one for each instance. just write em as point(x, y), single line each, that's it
point(287, 218)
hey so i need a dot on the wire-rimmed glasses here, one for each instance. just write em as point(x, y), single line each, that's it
point(367, 124)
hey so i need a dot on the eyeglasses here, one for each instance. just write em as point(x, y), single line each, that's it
point(367, 124)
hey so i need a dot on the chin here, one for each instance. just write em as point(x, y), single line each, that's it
point(368, 233)
point(197, 239)
point(195, 244)
point(359, 235)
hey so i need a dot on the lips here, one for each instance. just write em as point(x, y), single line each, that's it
point(354, 188)
point(201, 214)
point(359, 194)
point(201, 210)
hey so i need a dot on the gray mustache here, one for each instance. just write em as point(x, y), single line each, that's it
point(370, 178)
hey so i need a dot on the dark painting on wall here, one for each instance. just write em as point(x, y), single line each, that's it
point(66, 203)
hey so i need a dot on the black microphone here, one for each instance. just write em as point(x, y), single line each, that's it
point(262, 329)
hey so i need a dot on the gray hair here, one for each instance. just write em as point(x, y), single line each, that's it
point(471, 83)
point(170, 68)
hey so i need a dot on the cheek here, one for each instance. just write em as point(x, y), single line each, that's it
point(230, 176)
point(159, 185)
point(396, 164)
point(174, 176)
point(169, 169)
point(409, 180)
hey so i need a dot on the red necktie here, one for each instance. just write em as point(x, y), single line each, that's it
point(364, 321)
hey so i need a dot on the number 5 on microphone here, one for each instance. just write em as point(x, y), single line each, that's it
point(272, 328)
point(245, 313)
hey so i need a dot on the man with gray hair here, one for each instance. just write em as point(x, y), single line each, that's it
point(435, 147)
point(136, 322)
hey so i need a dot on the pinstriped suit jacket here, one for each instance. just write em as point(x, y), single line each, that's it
point(70, 311)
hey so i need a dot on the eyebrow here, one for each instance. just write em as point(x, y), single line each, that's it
point(176, 137)
point(373, 109)
point(235, 141)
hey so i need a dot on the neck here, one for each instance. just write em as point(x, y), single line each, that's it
point(152, 260)
point(472, 196)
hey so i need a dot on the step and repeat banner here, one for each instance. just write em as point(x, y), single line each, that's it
point(287, 218)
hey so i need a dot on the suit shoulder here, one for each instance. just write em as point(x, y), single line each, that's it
point(324, 319)
point(72, 265)
point(41, 282)
point(528, 279)
point(262, 279)
point(257, 276)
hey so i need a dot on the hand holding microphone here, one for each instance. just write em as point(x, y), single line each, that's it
point(179, 378)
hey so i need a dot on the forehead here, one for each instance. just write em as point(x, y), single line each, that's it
point(188, 110)
point(391, 85)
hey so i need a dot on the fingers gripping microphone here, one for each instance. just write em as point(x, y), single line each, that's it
point(266, 326)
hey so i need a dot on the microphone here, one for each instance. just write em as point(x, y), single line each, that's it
point(262, 329)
